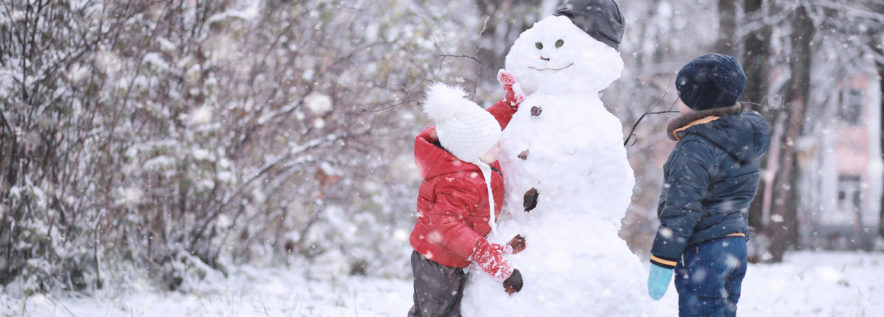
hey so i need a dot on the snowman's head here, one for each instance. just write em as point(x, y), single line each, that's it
point(555, 56)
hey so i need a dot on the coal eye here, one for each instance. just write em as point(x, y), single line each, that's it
point(559, 43)
point(538, 45)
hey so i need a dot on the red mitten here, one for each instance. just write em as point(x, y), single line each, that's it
point(490, 258)
point(514, 95)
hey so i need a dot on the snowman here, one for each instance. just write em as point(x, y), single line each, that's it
point(567, 179)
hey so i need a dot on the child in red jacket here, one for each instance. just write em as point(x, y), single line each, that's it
point(459, 199)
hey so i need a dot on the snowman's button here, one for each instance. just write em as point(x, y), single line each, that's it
point(523, 155)
point(535, 111)
point(530, 199)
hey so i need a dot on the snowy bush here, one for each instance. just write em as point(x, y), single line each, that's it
point(183, 137)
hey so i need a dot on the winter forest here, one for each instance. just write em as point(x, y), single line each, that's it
point(256, 157)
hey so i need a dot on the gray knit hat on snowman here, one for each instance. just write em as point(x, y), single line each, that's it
point(465, 129)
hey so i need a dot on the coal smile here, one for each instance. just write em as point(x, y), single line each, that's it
point(552, 69)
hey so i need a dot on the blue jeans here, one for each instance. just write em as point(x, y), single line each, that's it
point(708, 277)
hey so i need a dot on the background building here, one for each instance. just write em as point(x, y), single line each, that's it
point(841, 168)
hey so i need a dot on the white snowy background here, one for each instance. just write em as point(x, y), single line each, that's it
point(806, 284)
point(253, 157)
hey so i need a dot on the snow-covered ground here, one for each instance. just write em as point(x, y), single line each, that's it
point(807, 284)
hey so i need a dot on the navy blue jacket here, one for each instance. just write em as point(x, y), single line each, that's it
point(710, 179)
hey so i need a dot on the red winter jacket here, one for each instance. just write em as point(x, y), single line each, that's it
point(452, 202)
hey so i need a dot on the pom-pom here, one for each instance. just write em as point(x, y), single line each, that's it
point(445, 102)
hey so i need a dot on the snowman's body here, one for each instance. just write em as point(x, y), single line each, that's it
point(568, 148)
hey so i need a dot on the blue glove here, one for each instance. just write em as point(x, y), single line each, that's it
point(658, 281)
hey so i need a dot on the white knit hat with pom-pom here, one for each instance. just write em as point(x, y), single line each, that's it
point(464, 128)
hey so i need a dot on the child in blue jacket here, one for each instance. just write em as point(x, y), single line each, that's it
point(710, 179)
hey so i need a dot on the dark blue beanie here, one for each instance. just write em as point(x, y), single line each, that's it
point(710, 81)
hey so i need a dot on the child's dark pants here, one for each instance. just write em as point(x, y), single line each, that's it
point(708, 277)
point(438, 289)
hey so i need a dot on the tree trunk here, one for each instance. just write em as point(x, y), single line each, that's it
point(727, 25)
point(506, 20)
point(880, 66)
point(755, 64)
point(783, 225)
point(489, 57)
point(875, 44)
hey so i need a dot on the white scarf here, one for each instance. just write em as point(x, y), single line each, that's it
point(486, 173)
